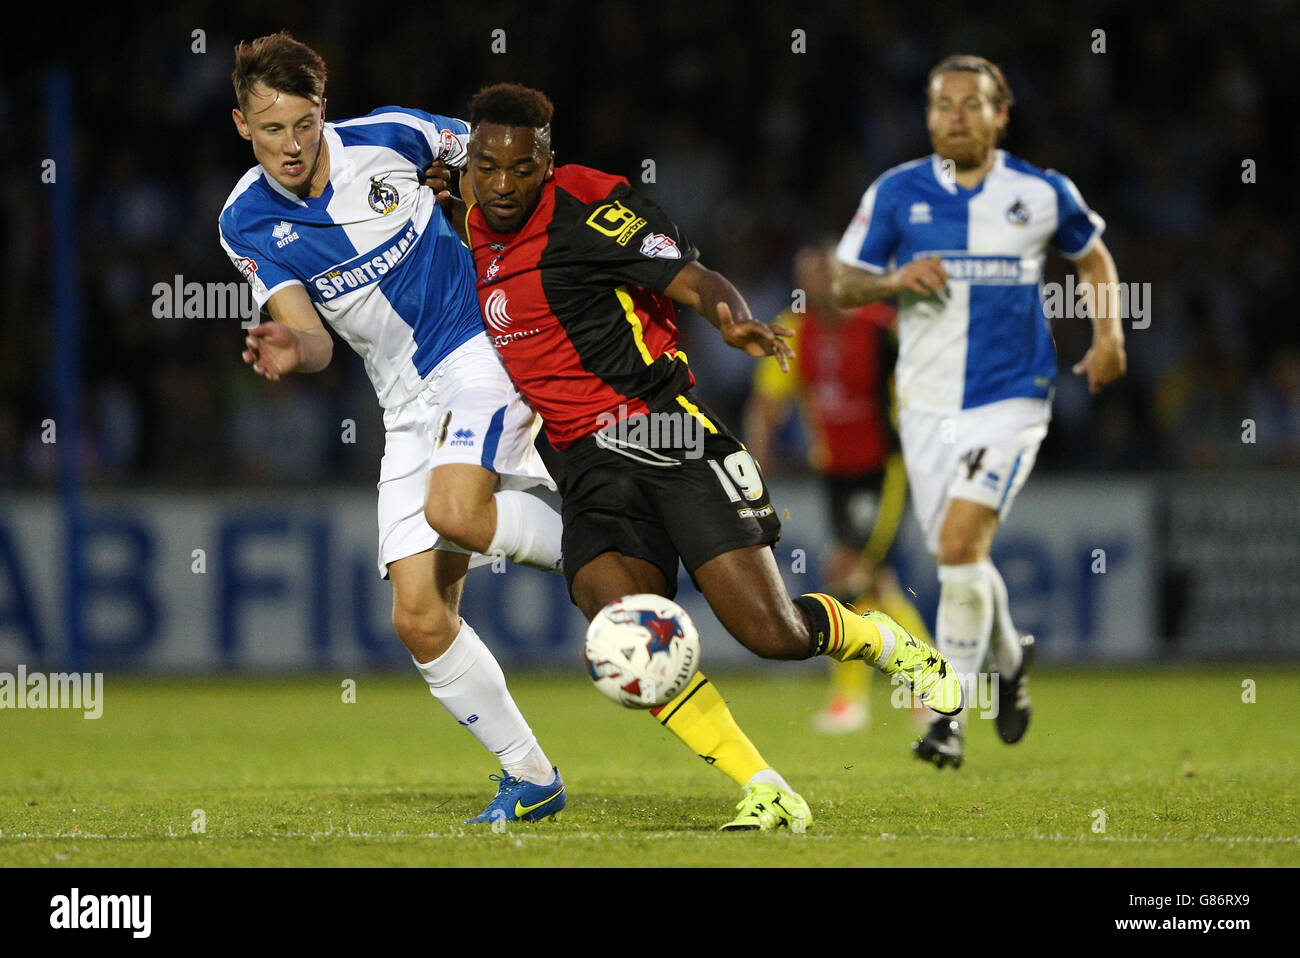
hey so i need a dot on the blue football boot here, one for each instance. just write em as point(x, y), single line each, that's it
point(520, 801)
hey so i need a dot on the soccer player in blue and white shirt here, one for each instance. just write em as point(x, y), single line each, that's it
point(961, 238)
point(334, 223)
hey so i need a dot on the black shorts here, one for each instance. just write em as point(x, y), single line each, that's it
point(661, 493)
point(865, 510)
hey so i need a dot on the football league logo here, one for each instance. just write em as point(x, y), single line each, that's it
point(451, 150)
point(383, 198)
point(659, 246)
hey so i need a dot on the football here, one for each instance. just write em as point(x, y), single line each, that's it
point(642, 651)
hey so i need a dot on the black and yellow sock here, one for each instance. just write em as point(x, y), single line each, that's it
point(703, 722)
point(838, 631)
point(849, 680)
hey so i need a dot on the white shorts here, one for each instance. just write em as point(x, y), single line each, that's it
point(469, 412)
point(983, 454)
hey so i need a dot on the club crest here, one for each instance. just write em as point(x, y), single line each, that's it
point(383, 198)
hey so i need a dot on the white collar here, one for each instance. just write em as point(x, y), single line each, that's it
point(950, 184)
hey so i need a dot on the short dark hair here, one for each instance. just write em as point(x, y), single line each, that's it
point(280, 62)
point(511, 104)
point(969, 63)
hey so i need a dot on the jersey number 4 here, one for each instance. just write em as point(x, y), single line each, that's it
point(972, 461)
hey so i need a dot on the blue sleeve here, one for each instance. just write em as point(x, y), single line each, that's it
point(872, 238)
point(1076, 225)
point(264, 274)
point(419, 136)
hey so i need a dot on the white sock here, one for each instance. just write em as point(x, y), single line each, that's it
point(528, 531)
point(965, 623)
point(469, 683)
point(768, 776)
point(1006, 640)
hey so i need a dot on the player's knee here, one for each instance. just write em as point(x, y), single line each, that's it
point(591, 594)
point(957, 547)
point(425, 632)
point(453, 518)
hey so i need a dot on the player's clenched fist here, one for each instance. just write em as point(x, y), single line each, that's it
point(272, 350)
point(925, 277)
point(437, 177)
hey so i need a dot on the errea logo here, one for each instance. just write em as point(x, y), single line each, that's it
point(919, 213)
point(284, 234)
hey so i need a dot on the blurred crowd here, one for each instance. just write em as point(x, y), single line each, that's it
point(757, 149)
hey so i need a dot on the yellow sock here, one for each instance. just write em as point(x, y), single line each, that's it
point(703, 722)
point(898, 606)
point(849, 681)
point(838, 631)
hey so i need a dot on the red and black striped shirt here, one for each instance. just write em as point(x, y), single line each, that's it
point(574, 303)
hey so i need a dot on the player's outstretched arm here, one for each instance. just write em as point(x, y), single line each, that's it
point(712, 296)
point(852, 286)
point(295, 341)
point(1105, 360)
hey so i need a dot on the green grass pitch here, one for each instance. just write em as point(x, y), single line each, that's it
point(283, 772)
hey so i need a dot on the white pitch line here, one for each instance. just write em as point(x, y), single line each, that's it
point(531, 833)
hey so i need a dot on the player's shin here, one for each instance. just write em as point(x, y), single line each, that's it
point(1006, 640)
point(965, 620)
point(528, 531)
point(469, 683)
point(701, 719)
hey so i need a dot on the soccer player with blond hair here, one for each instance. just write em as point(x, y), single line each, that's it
point(960, 237)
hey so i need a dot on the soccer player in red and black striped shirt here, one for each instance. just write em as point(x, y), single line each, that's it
point(577, 276)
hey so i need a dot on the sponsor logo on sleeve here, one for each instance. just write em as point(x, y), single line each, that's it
point(246, 265)
point(616, 220)
point(659, 246)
